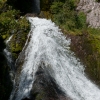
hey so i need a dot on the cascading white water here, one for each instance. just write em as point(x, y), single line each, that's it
point(9, 58)
point(36, 6)
point(47, 44)
point(8, 53)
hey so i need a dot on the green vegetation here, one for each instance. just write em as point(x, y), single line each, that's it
point(64, 15)
point(11, 23)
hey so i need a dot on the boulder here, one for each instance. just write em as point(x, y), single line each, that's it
point(91, 8)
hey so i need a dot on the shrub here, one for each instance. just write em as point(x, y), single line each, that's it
point(64, 15)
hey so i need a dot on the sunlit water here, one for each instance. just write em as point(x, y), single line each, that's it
point(47, 44)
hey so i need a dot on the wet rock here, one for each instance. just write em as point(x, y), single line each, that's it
point(5, 82)
point(45, 87)
point(26, 6)
point(26, 99)
point(31, 15)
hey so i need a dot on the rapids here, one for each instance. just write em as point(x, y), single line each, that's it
point(46, 43)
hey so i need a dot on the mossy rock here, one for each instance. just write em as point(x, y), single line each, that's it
point(17, 42)
point(45, 14)
point(41, 96)
point(19, 38)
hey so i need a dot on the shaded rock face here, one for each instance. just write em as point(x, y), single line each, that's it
point(26, 99)
point(45, 4)
point(5, 82)
point(91, 8)
point(45, 87)
point(30, 6)
point(26, 6)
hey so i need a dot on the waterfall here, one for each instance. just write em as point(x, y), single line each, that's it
point(8, 54)
point(47, 44)
point(9, 58)
point(36, 6)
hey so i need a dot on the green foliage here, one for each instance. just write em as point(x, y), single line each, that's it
point(64, 15)
point(56, 7)
point(58, 14)
point(12, 23)
point(17, 42)
point(95, 32)
point(8, 22)
point(81, 20)
point(2, 5)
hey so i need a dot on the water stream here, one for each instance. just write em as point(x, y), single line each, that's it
point(47, 44)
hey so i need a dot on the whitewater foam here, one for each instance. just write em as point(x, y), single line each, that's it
point(47, 44)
